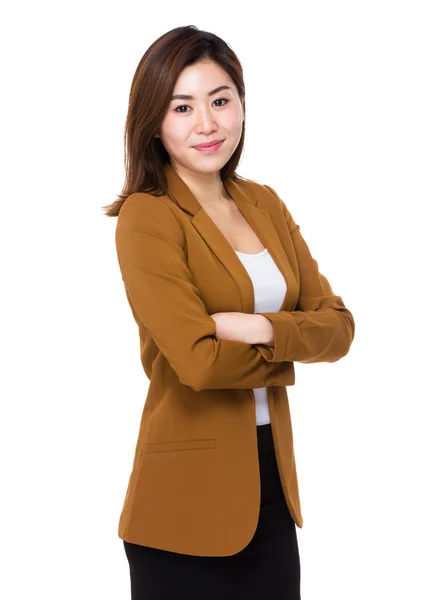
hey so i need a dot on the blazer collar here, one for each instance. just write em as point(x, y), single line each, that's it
point(260, 221)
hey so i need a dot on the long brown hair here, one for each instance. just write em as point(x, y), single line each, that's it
point(151, 91)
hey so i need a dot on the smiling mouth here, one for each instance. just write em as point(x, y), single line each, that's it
point(208, 147)
point(207, 144)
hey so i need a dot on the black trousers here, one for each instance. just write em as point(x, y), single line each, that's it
point(268, 568)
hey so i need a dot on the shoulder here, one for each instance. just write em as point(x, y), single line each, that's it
point(268, 199)
point(147, 212)
point(266, 195)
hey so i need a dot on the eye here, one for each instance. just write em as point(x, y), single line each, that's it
point(225, 100)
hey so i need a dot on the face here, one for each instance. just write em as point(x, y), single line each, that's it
point(203, 118)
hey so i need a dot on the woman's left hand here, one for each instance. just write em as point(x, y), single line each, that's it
point(241, 327)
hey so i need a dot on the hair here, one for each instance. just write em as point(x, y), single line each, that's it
point(150, 95)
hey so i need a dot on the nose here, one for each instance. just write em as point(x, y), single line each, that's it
point(205, 122)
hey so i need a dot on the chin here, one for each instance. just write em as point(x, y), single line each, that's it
point(213, 167)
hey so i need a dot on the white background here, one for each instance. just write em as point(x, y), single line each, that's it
point(336, 123)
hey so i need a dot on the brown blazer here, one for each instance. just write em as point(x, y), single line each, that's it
point(194, 486)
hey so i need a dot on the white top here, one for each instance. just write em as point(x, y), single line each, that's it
point(269, 292)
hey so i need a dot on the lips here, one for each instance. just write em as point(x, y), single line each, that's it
point(209, 144)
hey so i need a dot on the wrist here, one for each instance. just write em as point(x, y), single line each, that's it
point(265, 331)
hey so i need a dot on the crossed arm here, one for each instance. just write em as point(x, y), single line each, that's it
point(223, 350)
point(243, 327)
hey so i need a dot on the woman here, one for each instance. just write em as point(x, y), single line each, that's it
point(226, 296)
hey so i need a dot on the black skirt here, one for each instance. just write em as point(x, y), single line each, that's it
point(268, 567)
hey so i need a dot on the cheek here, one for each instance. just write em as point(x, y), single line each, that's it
point(173, 131)
point(233, 121)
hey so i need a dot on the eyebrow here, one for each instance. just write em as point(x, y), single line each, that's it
point(187, 97)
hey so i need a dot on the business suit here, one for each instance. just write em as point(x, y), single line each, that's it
point(195, 487)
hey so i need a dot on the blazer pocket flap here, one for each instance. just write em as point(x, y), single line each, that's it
point(178, 445)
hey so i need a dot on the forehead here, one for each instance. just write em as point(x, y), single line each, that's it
point(202, 79)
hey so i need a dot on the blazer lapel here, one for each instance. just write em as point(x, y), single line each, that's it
point(260, 221)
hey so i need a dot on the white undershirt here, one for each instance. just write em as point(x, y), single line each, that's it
point(269, 291)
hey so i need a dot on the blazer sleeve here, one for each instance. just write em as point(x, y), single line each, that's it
point(150, 244)
point(322, 328)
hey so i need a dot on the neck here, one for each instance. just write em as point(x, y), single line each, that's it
point(207, 188)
